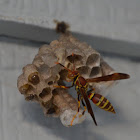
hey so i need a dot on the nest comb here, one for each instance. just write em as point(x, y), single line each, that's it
point(37, 81)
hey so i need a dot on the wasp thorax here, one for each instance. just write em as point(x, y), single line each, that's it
point(23, 89)
point(34, 78)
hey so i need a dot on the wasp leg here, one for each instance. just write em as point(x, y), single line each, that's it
point(78, 109)
point(85, 108)
point(63, 86)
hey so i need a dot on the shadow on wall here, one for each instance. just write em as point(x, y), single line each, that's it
point(33, 114)
point(42, 35)
point(87, 130)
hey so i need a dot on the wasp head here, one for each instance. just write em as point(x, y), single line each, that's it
point(72, 74)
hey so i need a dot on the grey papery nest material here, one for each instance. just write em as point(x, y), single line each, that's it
point(38, 79)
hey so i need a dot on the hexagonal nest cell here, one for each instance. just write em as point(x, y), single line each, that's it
point(38, 80)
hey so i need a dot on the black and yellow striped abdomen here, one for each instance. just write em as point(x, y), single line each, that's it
point(101, 102)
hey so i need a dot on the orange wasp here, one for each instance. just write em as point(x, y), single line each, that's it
point(81, 85)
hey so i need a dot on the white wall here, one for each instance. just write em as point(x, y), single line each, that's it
point(117, 19)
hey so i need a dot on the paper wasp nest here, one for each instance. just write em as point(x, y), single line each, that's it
point(38, 79)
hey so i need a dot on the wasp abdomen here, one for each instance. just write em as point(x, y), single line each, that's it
point(101, 102)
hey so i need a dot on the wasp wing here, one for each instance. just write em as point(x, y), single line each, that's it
point(111, 77)
point(88, 105)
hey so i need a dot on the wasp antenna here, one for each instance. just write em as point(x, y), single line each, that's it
point(56, 62)
point(60, 64)
point(63, 66)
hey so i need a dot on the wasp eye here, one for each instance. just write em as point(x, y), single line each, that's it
point(34, 78)
point(72, 75)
